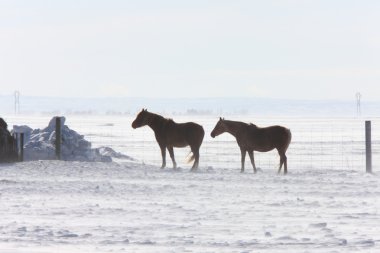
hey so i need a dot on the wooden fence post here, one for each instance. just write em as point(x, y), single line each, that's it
point(21, 158)
point(58, 137)
point(368, 148)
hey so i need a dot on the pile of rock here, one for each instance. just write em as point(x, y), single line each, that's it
point(40, 145)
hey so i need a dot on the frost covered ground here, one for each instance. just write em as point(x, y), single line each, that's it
point(53, 206)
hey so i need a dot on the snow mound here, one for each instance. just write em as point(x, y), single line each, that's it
point(40, 145)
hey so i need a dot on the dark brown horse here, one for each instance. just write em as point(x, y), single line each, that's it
point(170, 134)
point(252, 138)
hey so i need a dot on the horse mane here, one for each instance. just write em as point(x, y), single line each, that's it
point(156, 115)
point(253, 126)
point(169, 121)
point(161, 119)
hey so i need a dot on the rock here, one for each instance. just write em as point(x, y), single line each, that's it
point(107, 151)
point(53, 121)
point(23, 129)
point(40, 145)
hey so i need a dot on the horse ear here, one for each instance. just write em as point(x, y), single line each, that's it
point(220, 118)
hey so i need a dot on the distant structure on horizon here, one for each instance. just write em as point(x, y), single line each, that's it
point(358, 105)
point(17, 102)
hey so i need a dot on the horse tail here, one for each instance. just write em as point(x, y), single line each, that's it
point(191, 158)
point(289, 138)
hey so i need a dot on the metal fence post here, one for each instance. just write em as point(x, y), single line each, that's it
point(58, 137)
point(368, 148)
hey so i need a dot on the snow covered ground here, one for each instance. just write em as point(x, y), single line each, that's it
point(56, 206)
point(325, 204)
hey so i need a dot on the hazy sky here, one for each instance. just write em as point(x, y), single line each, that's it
point(306, 49)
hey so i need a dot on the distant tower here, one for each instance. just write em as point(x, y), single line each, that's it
point(17, 102)
point(358, 106)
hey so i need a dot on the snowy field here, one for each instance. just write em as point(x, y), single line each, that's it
point(50, 206)
point(325, 204)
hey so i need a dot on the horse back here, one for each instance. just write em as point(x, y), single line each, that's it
point(183, 134)
point(268, 138)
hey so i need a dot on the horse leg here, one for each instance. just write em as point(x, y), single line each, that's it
point(163, 154)
point(196, 158)
point(283, 161)
point(171, 153)
point(250, 153)
point(285, 164)
point(242, 159)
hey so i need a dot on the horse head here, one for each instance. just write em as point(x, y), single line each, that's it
point(219, 128)
point(142, 119)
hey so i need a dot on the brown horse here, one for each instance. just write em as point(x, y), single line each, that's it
point(170, 134)
point(252, 138)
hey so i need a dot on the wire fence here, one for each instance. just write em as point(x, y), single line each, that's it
point(321, 143)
